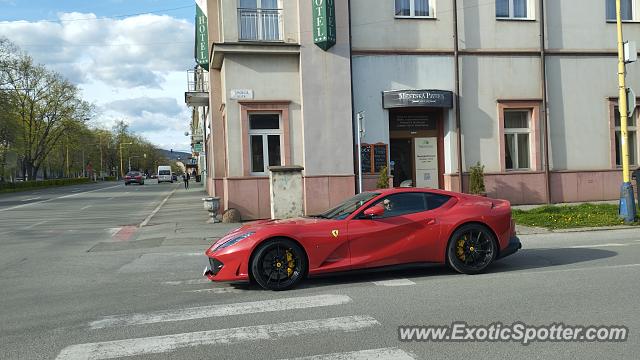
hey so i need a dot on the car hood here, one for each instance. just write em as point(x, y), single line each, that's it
point(256, 226)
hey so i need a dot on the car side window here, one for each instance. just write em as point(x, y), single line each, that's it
point(434, 201)
point(403, 204)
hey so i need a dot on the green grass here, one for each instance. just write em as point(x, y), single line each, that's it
point(566, 217)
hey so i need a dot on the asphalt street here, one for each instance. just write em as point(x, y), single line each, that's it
point(106, 271)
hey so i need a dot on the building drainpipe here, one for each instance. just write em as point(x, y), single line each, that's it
point(354, 130)
point(456, 60)
point(544, 117)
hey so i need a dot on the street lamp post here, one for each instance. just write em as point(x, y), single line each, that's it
point(121, 161)
point(627, 206)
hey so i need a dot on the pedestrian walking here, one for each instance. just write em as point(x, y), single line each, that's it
point(185, 179)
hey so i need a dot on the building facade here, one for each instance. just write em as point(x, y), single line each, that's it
point(527, 88)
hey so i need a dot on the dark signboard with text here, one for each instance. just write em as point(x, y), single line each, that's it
point(417, 98)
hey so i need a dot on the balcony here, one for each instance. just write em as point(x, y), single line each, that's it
point(260, 25)
point(198, 88)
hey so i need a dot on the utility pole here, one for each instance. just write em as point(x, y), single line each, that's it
point(627, 206)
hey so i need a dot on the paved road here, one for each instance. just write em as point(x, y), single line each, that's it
point(80, 279)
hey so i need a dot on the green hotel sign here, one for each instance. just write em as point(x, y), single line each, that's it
point(324, 23)
point(202, 39)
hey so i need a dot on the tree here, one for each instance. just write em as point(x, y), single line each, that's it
point(47, 107)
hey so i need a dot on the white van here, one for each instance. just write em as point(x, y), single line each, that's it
point(164, 174)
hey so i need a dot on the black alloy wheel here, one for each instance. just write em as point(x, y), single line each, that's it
point(279, 264)
point(472, 248)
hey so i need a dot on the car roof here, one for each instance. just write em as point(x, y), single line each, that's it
point(416, 189)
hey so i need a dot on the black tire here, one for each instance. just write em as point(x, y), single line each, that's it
point(279, 264)
point(126, 184)
point(471, 249)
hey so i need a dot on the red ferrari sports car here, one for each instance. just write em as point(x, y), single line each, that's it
point(372, 229)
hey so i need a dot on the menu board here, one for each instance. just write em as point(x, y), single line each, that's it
point(374, 157)
point(365, 156)
point(379, 157)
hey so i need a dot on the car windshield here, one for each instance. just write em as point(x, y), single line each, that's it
point(164, 172)
point(347, 207)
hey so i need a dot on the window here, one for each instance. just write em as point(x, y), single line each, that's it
point(517, 129)
point(434, 201)
point(415, 8)
point(403, 204)
point(259, 20)
point(627, 10)
point(265, 142)
point(514, 9)
point(631, 135)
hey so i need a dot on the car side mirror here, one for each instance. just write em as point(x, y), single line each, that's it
point(374, 211)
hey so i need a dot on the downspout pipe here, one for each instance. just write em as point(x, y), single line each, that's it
point(354, 130)
point(456, 61)
point(544, 113)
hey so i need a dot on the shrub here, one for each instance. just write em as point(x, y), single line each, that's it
point(23, 185)
point(383, 178)
point(110, 178)
point(476, 179)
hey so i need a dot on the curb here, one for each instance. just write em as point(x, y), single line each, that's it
point(539, 230)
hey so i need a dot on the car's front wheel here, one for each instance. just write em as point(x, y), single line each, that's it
point(472, 248)
point(279, 264)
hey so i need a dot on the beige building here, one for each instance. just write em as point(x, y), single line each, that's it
point(534, 97)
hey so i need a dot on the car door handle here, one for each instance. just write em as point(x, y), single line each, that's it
point(430, 221)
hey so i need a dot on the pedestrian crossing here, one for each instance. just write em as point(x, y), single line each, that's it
point(286, 331)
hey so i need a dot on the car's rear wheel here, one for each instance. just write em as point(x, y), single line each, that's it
point(472, 248)
point(279, 264)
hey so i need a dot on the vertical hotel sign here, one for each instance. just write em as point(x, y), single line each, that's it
point(324, 23)
point(202, 35)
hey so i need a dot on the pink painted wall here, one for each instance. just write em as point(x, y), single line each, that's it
point(324, 192)
point(566, 186)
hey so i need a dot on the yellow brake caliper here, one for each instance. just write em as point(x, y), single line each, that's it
point(460, 249)
point(291, 263)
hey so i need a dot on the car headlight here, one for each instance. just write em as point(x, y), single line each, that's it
point(234, 240)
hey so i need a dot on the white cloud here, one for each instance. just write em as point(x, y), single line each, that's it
point(131, 68)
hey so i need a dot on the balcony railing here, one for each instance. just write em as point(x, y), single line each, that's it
point(198, 80)
point(260, 24)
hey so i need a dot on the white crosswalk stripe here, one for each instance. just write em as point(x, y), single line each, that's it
point(394, 282)
point(377, 354)
point(167, 343)
point(221, 310)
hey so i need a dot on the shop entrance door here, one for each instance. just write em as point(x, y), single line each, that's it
point(416, 146)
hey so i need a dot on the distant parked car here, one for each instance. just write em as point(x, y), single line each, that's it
point(134, 177)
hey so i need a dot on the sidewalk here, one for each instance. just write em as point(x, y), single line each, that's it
point(182, 220)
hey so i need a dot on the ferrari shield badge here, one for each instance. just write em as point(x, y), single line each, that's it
point(335, 233)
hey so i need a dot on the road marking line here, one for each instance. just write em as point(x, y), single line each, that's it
point(378, 354)
point(220, 310)
point(111, 198)
point(61, 197)
point(34, 225)
point(146, 221)
point(113, 231)
point(224, 290)
point(86, 207)
point(598, 245)
point(394, 282)
point(125, 233)
point(168, 343)
point(76, 190)
point(188, 282)
point(31, 199)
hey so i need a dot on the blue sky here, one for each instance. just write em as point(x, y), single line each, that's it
point(130, 58)
point(12, 10)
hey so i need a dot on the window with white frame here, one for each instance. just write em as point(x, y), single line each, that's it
point(415, 8)
point(517, 139)
point(627, 10)
point(259, 20)
point(265, 141)
point(514, 9)
point(631, 136)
